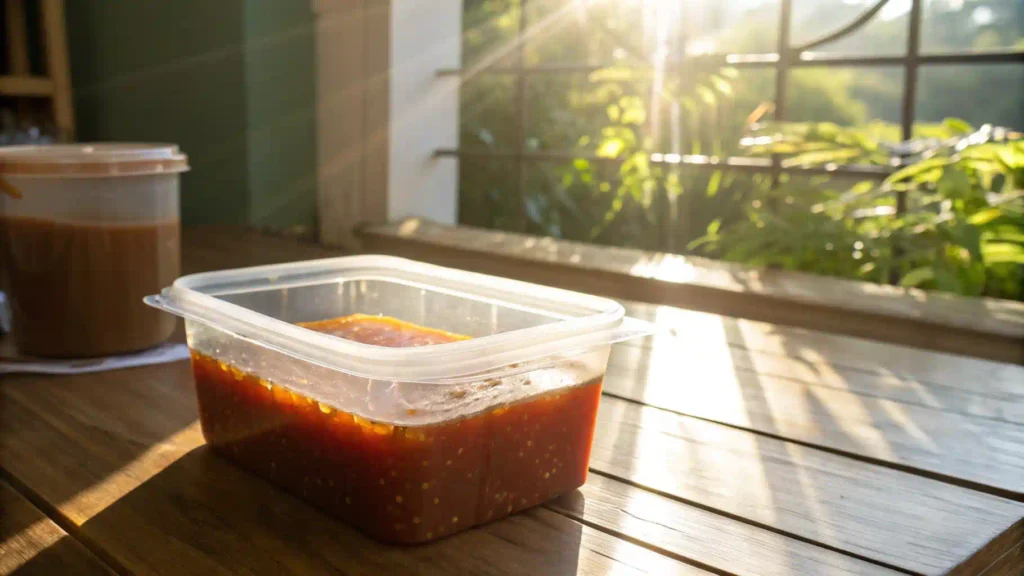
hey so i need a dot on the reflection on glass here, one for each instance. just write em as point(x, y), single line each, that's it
point(960, 25)
point(487, 194)
point(977, 93)
point(487, 114)
point(883, 35)
point(846, 96)
point(562, 109)
point(489, 29)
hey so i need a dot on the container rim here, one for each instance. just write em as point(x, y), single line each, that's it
point(194, 297)
point(92, 160)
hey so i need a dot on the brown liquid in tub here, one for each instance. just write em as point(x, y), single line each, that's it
point(76, 289)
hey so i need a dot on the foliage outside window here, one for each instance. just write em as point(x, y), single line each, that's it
point(963, 228)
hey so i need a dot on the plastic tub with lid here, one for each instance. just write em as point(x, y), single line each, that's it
point(411, 400)
point(86, 231)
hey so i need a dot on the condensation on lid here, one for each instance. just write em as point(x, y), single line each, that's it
point(92, 160)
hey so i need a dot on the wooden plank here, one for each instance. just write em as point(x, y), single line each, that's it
point(30, 543)
point(106, 454)
point(219, 247)
point(821, 350)
point(124, 464)
point(981, 453)
point(123, 442)
point(717, 348)
point(17, 37)
point(55, 40)
point(985, 328)
point(898, 519)
point(1008, 564)
point(705, 538)
point(26, 86)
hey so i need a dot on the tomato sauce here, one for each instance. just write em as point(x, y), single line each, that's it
point(403, 484)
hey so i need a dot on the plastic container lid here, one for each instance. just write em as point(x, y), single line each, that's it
point(570, 323)
point(92, 160)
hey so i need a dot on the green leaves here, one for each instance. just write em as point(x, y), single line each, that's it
point(1004, 253)
point(917, 276)
point(925, 171)
point(957, 126)
point(962, 230)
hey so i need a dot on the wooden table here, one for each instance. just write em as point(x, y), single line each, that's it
point(724, 446)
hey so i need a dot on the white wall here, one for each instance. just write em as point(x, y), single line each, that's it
point(424, 109)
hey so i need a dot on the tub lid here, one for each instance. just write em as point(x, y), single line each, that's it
point(562, 322)
point(92, 160)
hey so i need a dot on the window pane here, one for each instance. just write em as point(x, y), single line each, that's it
point(591, 201)
point(582, 32)
point(488, 196)
point(958, 25)
point(883, 35)
point(567, 199)
point(701, 112)
point(707, 112)
point(489, 29)
point(487, 112)
point(846, 96)
point(563, 109)
point(733, 26)
point(979, 94)
point(559, 33)
point(629, 31)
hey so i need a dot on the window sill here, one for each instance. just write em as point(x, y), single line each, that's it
point(981, 327)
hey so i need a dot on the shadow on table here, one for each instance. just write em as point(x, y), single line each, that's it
point(204, 515)
point(61, 436)
point(65, 556)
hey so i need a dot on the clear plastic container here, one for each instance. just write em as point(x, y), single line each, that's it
point(407, 444)
point(85, 232)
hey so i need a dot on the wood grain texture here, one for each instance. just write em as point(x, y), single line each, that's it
point(58, 67)
point(704, 537)
point(17, 37)
point(901, 520)
point(215, 248)
point(1008, 564)
point(729, 349)
point(30, 543)
point(26, 86)
point(125, 463)
point(984, 328)
point(982, 453)
point(818, 349)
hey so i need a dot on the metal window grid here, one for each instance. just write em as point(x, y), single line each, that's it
point(787, 57)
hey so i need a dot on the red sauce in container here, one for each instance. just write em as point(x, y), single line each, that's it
point(403, 484)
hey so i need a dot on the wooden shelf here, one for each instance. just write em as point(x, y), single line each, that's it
point(55, 84)
point(26, 86)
